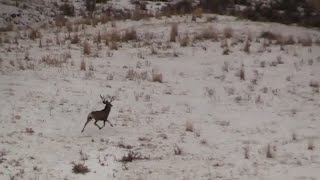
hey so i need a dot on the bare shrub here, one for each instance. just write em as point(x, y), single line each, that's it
point(269, 35)
point(229, 90)
point(246, 151)
point(80, 168)
point(113, 45)
point(98, 38)
point(294, 136)
point(53, 61)
point(307, 41)
point(314, 84)
point(210, 92)
point(211, 18)
point(238, 99)
point(131, 74)
point(115, 36)
point(228, 32)
point(83, 156)
point(75, 39)
point(69, 26)
point(311, 144)
point(143, 75)
point(40, 43)
point(224, 43)
point(156, 77)
point(226, 51)
point(310, 62)
point(34, 34)
point(138, 14)
point(86, 48)
point(262, 64)
point(203, 141)
point(110, 76)
point(8, 27)
point(197, 12)
point(225, 67)
point(279, 60)
point(131, 156)
point(153, 50)
point(91, 67)
point(208, 33)
point(247, 47)
point(242, 73)
point(189, 126)
point(83, 66)
point(11, 62)
point(289, 40)
point(173, 32)
point(130, 35)
point(67, 9)
point(60, 20)
point(20, 65)
point(29, 131)
point(184, 41)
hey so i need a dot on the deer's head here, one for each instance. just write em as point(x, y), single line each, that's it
point(106, 102)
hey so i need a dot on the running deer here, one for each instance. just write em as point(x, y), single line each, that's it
point(100, 115)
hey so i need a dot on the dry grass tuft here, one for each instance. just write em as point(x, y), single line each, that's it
point(174, 32)
point(189, 126)
point(80, 169)
point(269, 152)
point(177, 150)
point(83, 66)
point(156, 77)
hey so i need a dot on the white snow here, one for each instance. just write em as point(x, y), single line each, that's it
point(151, 117)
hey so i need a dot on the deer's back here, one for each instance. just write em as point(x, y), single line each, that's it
point(100, 115)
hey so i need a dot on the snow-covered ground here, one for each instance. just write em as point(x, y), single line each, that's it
point(231, 122)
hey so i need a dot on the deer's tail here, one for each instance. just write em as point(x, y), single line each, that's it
point(90, 116)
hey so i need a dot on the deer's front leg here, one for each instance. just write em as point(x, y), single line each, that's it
point(109, 123)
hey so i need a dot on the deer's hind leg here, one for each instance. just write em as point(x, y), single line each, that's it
point(88, 120)
point(95, 123)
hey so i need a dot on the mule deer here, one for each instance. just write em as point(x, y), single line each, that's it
point(100, 115)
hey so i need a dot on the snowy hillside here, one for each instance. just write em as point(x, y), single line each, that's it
point(208, 98)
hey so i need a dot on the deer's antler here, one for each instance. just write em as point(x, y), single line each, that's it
point(111, 99)
point(103, 98)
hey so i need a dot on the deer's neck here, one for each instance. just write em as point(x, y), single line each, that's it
point(106, 108)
